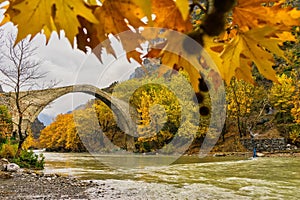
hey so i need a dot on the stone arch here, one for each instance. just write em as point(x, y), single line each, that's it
point(118, 107)
point(39, 99)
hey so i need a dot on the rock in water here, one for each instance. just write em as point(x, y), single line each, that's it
point(260, 154)
point(12, 167)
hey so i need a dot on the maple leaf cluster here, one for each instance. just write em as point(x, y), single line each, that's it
point(250, 31)
point(256, 30)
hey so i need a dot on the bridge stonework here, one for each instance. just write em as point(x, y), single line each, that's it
point(34, 101)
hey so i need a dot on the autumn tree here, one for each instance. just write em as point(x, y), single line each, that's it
point(162, 110)
point(61, 135)
point(240, 95)
point(80, 130)
point(295, 111)
point(281, 96)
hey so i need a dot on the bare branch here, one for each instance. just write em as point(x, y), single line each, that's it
point(22, 72)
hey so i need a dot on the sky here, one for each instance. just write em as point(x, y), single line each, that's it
point(71, 66)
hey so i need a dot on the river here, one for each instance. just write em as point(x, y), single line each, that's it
point(189, 178)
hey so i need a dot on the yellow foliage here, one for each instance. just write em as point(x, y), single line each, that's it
point(48, 15)
point(155, 106)
point(239, 97)
point(60, 134)
point(78, 130)
point(281, 93)
point(257, 29)
point(5, 122)
point(295, 111)
point(249, 14)
point(8, 151)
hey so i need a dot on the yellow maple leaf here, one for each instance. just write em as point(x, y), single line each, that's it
point(145, 5)
point(33, 14)
point(249, 14)
point(250, 46)
point(245, 71)
point(66, 14)
point(183, 6)
point(284, 17)
point(175, 56)
point(52, 15)
point(264, 38)
point(253, 50)
point(231, 59)
point(175, 62)
point(116, 16)
point(169, 16)
point(6, 17)
point(111, 16)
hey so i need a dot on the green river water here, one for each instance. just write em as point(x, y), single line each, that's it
point(189, 178)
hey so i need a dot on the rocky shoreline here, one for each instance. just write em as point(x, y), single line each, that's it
point(20, 184)
point(26, 184)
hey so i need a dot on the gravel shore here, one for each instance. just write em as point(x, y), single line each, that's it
point(27, 184)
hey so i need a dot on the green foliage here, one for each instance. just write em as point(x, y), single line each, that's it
point(27, 159)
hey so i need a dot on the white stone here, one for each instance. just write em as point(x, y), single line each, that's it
point(12, 167)
point(4, 160)
point(260, 154)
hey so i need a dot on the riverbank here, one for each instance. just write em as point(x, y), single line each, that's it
point(28, 184)
point(294, 153)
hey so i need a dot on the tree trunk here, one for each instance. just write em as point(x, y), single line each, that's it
point(224, 129)
point(21, 137)
point(21, 141)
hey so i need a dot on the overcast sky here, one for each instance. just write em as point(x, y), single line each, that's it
point(72, 66)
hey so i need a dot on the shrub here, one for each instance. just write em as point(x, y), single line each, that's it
point(8, 151)
point(28, 159)
point(294, 134)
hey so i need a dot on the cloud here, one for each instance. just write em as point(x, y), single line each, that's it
point(72, 66)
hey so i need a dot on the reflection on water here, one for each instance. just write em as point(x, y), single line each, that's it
point(210, 177)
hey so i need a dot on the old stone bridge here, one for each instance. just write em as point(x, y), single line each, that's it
point(34, 101)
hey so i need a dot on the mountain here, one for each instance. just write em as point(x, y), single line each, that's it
point(36, 128)
point(150, 67)
point(45, 119)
